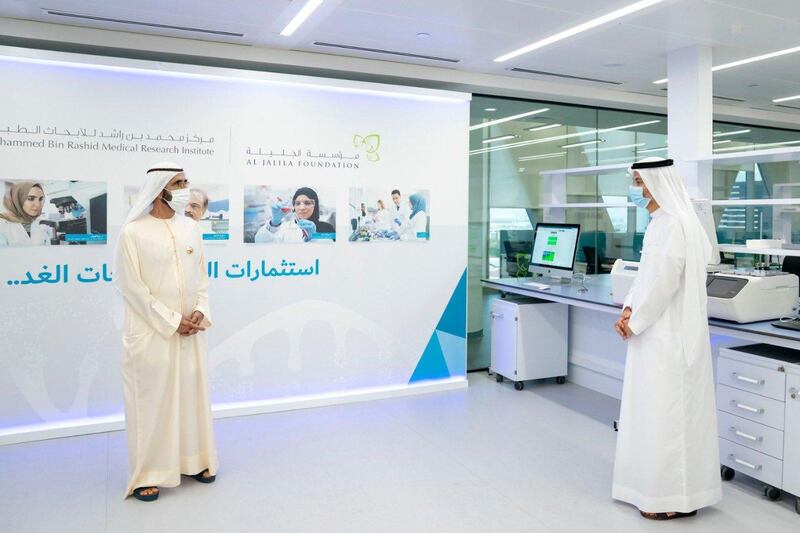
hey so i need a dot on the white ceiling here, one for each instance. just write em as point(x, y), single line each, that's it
point(632, 52)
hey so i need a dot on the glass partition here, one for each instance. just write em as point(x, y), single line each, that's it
point(513, 141)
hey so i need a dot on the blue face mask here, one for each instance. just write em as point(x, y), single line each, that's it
point(636, 195)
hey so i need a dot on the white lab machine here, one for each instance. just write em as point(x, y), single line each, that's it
point(751, 297)
point(622, 276)
point(529, 340)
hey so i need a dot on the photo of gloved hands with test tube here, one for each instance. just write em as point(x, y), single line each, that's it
point(288, 216)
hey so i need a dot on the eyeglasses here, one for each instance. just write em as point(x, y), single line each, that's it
point(180, 184)
point(304, 203)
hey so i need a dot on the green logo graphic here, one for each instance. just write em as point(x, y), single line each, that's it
point(552, 241)
point(371, 144)
point(549, 257)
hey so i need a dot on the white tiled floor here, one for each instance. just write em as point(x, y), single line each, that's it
point(485, 459)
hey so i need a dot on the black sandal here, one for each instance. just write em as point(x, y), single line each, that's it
point(137, 493)
point(666, 516)
point(204, 479)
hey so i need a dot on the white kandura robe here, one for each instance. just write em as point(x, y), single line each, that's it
point(667, 449)
point(167, 403)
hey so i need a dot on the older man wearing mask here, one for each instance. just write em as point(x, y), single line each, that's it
point(161, 273)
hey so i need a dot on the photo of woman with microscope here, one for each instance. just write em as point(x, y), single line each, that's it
point(42, 213)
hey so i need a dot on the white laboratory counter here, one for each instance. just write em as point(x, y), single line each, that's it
point(598, 297)
point(758, 385)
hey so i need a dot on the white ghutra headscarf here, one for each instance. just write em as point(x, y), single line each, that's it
point(670, 193)
point(158, 177)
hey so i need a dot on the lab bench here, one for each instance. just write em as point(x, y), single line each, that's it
point(758, 385)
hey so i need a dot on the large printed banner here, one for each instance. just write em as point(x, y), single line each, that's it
point(361, 285)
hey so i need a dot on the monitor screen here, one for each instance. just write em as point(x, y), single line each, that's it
point(554, 245)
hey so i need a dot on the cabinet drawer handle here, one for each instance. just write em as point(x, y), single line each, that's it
point(745, 435)
point(744, 463)
point(744, 407)
point(746, 379)
point(496, 315)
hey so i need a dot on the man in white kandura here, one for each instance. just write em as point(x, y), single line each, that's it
point(160, 271)
point(667, 460)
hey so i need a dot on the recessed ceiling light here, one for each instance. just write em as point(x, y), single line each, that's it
point(745, 61)
point(729, 133)
point(495, 139)
point(584, 143)
point(614, 15)
point(490, 109)
point(757, 146)
point(540, 156)
point(722, 142)
point(786, 98)
point(521, 169)
point(626, 126)
point(301, 17)
point(611, 148)
point(540, 128)
point(554, 138)
point(423, 35)
point(506, 119)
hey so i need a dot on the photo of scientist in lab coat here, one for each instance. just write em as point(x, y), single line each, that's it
point(286, 217)
point(20, 218)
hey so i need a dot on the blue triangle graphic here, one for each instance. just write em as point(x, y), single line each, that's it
point(454, 318)
point(455, 353)
point(432, 364)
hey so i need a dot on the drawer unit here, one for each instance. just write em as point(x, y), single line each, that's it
point(755, 464)
point(791, 465)
point(769, 382)
point(751, 406)
point(751, 434)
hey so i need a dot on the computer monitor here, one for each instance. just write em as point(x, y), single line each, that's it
point(98, 210)
point(554, 248)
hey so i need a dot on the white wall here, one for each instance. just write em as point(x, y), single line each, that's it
point(359, 322)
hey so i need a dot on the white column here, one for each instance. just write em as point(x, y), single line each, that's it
point(690, 110)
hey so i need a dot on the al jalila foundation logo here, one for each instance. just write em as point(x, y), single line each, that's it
point(371, 144)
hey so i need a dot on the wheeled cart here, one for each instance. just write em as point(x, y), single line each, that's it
point(758, 417)
point(529, 340)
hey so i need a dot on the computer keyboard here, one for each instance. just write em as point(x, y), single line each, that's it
point(788, 324)
point(540, 286)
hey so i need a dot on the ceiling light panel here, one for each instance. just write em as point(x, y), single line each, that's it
point(580, 28)
point(306, 11)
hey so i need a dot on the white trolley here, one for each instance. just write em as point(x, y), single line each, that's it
point(529, 340)
point(758, 416)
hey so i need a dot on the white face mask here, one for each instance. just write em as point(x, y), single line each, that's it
point(180, 199)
